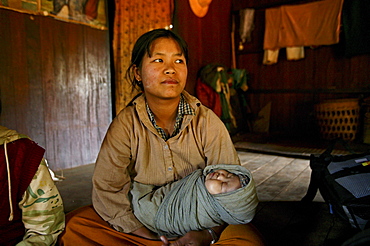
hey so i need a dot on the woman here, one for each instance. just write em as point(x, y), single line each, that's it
point(163, 135)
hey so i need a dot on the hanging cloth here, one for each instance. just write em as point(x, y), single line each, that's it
point(316, 23)
point(311, 24)
point(246, 26)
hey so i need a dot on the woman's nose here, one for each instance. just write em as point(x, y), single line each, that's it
point(169, 70)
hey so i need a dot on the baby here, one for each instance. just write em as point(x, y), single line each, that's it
point(222, 181)
point(204, 199)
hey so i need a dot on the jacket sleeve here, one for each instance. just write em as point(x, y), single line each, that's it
point(218, 146)
point(42, 210)
point(112, 180)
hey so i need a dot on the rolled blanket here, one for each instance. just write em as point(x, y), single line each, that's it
point(186, 205)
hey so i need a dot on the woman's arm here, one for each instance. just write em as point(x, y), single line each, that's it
point(111, 179)
point(218, 146)
point(144, 232)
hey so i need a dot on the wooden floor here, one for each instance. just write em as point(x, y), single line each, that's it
point(278, 178)
point(281, 183)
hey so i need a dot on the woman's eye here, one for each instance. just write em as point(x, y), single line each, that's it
point(158, 60)
point(179, 61)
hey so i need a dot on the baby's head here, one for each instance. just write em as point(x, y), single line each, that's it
point(222, 181)
point(233, 189)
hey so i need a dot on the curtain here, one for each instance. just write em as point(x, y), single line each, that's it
point(132, 19)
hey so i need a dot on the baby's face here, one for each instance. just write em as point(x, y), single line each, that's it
point(221, 181)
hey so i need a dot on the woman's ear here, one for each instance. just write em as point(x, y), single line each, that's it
point(137, 73)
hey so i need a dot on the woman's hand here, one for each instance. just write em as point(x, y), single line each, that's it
point(145, 233)
point(194, 238)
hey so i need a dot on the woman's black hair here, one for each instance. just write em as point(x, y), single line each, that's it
point(142, 47)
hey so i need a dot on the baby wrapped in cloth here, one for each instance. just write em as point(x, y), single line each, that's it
point(185, 205)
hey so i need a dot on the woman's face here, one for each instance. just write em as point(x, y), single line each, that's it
point(163, 72)
point(222, 181)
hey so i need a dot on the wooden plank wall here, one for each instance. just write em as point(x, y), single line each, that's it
point(55, 85)
point(208, 37)
point(293, 87)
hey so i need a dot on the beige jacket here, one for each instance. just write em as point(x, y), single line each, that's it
point(133, 150)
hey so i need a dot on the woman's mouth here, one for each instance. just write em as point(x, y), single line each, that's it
point(170, 81)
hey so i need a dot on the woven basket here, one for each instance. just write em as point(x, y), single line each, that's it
point(338, 118)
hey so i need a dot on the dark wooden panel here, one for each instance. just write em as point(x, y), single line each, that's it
point(57, 96)
point(18, 76)
point(261, 4)
point(320, 69)
point(80, 91)
point(56, 85)
point(98, 73)
point(21, 87)
point(7, 98)
point(34, 117)
point(209, 37)
point(52, 70)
